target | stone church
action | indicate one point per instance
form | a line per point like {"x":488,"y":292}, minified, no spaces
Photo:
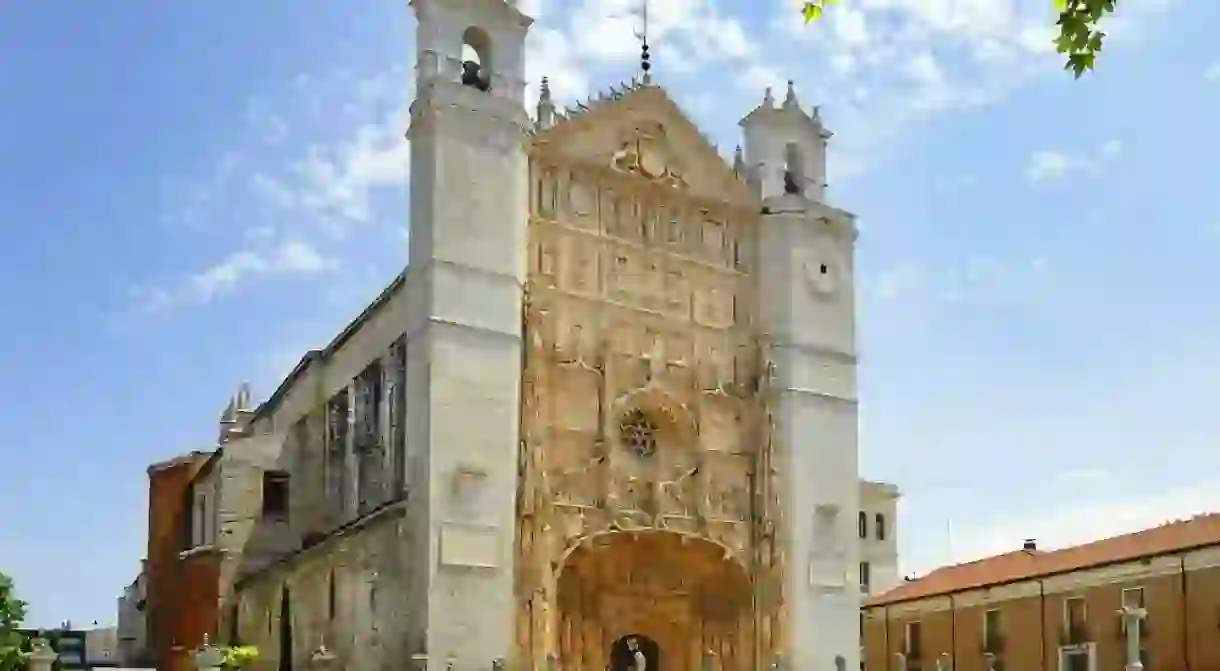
{"x":606,"y":416}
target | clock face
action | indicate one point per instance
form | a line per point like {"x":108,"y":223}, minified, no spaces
{"x":824,"y":272}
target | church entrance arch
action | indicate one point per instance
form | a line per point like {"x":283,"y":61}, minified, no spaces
{"x":681,"y":598}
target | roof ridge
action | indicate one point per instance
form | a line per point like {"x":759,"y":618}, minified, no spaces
{"x":618,"y":93}
{"x":1166,"y":538}
{"x":600,"y":99}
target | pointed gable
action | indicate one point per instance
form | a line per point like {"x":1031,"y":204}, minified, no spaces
{"x":641,"y":130}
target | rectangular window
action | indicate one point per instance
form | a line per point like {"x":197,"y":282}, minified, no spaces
{"x":1076,"y":661}
{"x":864,"y":576}
{"x":1074,"y":618}
{"x":338,"y":422}
{"x":863,"y":524}
{"x":991,"y":631}
{"x":208,"y":514}
{"x":879,"y":523}
{"x":330,"y":596}
{"x":198,"y":511}
{"x":397,"y":394}
{"x":1074,"y":612}
{"x":275,"y":494}
{"x":234,"y":625}
{"x":367,"y":441}
{"x":914,"y":642}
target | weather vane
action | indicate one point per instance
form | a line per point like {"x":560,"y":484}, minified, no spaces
{"x":642,"y":36}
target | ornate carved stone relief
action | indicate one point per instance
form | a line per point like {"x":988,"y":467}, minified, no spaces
{"x":646,"y":152}
{"x":637,"y":414}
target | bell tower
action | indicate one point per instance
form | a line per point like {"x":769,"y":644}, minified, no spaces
{"x":807,"y":317}
{"x":469,"y":212}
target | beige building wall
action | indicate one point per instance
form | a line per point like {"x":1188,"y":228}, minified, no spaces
{"x":877,"y":528}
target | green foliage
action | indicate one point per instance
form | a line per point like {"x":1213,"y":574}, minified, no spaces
{"x":239,"y":656}
{"x":12,"y":612}
{"x":812,"y":11}
{"x":1079,"y":39}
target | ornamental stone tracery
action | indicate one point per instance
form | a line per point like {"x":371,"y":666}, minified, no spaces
{"x":642,"y":405}
{"x":639,"y":434}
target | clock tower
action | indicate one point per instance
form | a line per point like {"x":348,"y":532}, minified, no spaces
{"x":807,"y":319}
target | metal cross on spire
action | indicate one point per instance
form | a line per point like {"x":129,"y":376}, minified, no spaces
{"x":642,"y":36}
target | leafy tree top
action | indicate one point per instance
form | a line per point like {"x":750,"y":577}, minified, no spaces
{"x":1079,"y":39}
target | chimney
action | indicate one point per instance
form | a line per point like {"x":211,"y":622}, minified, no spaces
{"x":1030,"y":545}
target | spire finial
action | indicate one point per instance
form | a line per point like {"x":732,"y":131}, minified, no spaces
{"x":642,"y":36}
{"x":790,"y":98}
{"x":546,"y":108}
{"x":768,"y":99}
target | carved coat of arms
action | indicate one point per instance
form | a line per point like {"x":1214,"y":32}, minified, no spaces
{"x":646,"y":152}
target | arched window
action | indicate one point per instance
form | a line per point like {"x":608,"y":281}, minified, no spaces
{"x":863,"y":524}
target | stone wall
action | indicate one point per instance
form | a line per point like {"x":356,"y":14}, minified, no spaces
{"x":347,"y":593}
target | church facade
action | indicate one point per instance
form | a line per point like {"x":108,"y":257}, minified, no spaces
{"x":608,"y":412}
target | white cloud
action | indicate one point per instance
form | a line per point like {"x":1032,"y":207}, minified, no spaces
{"x":1046,"y":165}
{"x":1084,"y":520}
{"x":980,"y":279}
{"x":286,"y":259}
{"x":896,"y":282}
{"x":1049,"y":165}
{"x":550,"y":54}
{"x":889,"y":64}
{"x":337,"y":183}
{"x":290,"y":258}
{"x":326,"y":186}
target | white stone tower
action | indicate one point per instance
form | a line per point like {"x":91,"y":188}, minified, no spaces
{"x":469,"y":210}
{"x":807,"y":311}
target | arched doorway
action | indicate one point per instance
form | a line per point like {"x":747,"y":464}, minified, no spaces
{"x":679,"y":596}
{"x":622,"y":654}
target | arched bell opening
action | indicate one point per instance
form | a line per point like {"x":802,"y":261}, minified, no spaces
{"x":794,"y":169}
{"x":685,"y":594}
{"x":477,"y":63}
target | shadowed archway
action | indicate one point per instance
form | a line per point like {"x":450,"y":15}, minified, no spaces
{"x":622,"y":657}
{"x":677,"y":595}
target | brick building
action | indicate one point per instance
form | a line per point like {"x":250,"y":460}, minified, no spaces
{"x":177,"y":583}
{"x":212,"y":516}
{"x":1059,"y":610}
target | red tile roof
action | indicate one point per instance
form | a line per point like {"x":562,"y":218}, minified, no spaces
{"x":1199,"y":531}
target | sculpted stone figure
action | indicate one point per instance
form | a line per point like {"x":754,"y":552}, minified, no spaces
{"x":640,"y":664}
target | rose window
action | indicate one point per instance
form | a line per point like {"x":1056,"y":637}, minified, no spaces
{"x":639,"y":434}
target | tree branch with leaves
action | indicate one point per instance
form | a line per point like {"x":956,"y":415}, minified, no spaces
{"x":12,"y":642}
{"x":1079,"y":40}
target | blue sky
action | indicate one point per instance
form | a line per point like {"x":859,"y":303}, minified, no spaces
{"x":193,"y":193}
